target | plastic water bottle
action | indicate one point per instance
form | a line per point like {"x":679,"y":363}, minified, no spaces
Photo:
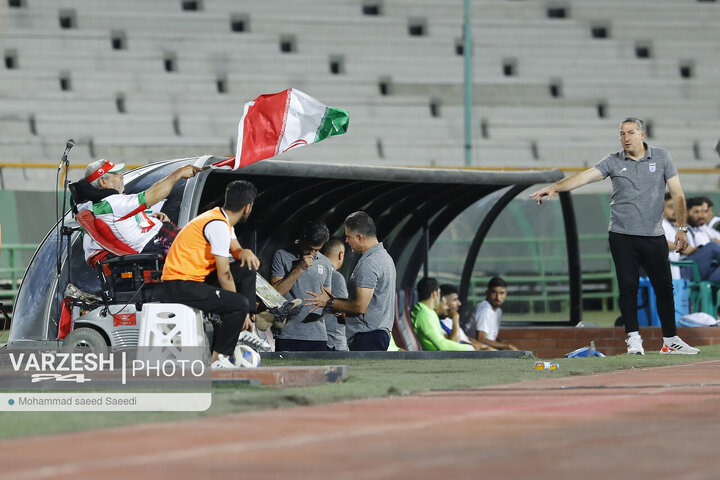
{"x":546,"y":366}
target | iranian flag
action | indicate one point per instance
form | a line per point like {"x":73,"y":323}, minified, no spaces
{"x":275,"y":123}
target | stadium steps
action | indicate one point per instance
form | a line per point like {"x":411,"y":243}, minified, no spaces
{"x":516,"y":122}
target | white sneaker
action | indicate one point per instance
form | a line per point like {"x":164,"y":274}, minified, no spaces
{"x":222,"y":362}
{"x":634,"y":345}
{"x":253,"y":341}
{"x":677,"y":347}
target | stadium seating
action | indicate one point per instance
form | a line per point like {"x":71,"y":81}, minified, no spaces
{"x":141,"y":81}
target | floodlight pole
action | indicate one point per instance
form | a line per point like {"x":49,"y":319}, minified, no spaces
{"x":467,"y":57}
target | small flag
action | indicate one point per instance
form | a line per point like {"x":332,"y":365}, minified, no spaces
{"x":65,"y":325}
{"x":275,"y":123}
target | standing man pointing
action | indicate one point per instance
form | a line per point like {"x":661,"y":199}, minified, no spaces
{"x":639,"y":174}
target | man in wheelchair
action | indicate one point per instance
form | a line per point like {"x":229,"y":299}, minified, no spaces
{"x":135,"y":219}
{"x":121,"y":243}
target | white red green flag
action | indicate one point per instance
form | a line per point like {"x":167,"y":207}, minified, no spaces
{"x":275,"y":123}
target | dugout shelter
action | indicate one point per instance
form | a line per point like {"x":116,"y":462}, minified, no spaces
{"x":411,"y":208}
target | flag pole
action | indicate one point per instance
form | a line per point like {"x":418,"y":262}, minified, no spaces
{"x":468,"y":80}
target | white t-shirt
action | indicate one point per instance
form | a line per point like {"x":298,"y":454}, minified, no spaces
{"x":219,"y":236}
{"x":670,"y":230}
{"x":485,"y":319}
{"x":448,"y":324}
{"x":702,"y":235}
{"x":128,"y":217}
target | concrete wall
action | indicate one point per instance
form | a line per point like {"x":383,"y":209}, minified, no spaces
{"x":556,"y":342}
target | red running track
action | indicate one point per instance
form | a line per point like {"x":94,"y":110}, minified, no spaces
{"x":644,"y":423}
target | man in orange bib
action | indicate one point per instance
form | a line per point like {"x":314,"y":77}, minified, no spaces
{"x":202,"y":249}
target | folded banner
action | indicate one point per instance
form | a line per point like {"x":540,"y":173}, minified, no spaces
{"x":275,"y":123}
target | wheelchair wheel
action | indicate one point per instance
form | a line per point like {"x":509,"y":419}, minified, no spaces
{"x":84,"y":340}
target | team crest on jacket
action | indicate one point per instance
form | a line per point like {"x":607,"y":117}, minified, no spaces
{"x":321,"y":269}
{"x":653,"y":167}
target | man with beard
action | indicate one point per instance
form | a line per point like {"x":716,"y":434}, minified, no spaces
{"x":449,"y":313}
{"x":711,"y":220}
{"x":485,"y":320}
{"x":703,"y":242}
{"x":200,"y":256}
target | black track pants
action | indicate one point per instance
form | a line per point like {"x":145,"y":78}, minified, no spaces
{"x":232,"y":307}
{"x":630,"y":252}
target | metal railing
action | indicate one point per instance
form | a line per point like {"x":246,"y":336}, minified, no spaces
{"x":543,"y":282}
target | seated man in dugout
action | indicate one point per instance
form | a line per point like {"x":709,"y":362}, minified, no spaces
{"x":669,"y":228}
{"x":198,"y":271}
{"x":485,"y":319}
{"x":449,"y":313}
{"x":426,"y":322}
{"x":711,"y":220}
{"x":703,"y":242}
{"x":135,"y":218}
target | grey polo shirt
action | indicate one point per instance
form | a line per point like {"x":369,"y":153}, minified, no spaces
{"x":638,"y":190}
{"x":304,"y":325}
{"x":375,"y":270}
{"x":335,"y":330}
